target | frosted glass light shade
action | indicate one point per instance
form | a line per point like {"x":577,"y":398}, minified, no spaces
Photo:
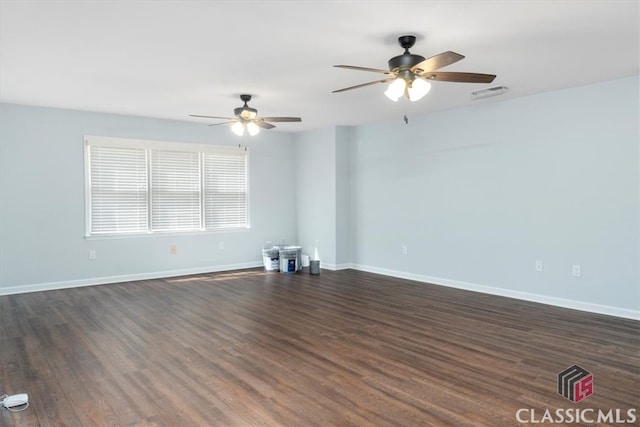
{"x":253,"y":128}
{"x":238,"y":128}
{"x":396,"y":89}
{"x":418,"y":88}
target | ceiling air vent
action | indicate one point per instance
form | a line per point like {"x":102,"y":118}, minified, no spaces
{"x":489,"y":92}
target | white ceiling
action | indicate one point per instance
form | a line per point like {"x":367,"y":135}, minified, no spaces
{"x":169,"y":59}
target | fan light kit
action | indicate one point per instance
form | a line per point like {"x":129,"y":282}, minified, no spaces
{"x":239,"y":127}
{"x":409,"y":73}
{"x":414,"y":89}
{"x":246,"y":119}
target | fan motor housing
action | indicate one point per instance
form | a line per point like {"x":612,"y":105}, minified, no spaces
{"x":404,"y":61}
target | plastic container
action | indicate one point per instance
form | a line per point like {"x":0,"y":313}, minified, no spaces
{"x":271,"y":259}
{"x":314,"y":266}
{"x":271,"y":256}
{"x":290,"y":259}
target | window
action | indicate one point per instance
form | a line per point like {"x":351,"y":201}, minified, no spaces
{"x":119,"y":191}
{"x":225,"y":183}
{"x":137,"y":186}
{"x":175,"y":191}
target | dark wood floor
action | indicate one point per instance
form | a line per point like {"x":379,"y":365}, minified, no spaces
{"x":343,"y":348}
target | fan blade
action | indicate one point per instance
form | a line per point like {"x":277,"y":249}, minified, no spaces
{"x":264,"y":125}
{"x":222,"y":123}
{"x":450,"y":76}
{"x":281,"y":119}
{"x":438,"y":61}
{"x":211,"y":117}
{"x":363,"y":85}
{"x":373,"y":70}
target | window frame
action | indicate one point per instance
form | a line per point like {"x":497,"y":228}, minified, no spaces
{"x":149,"y":146}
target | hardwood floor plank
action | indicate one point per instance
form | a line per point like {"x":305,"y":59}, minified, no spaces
{"x":345,"y":348}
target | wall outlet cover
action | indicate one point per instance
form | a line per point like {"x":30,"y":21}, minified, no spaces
{"x":576,"y":270}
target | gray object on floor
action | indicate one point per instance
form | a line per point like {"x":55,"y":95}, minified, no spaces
{"x":314,"y":266}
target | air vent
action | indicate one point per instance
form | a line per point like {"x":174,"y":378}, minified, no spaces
{"x":489,"y":92}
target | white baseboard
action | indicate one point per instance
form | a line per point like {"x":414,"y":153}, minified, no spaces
{"x":525,"y":296}
{"x":50,"y":286}
{"x":335,"y":267}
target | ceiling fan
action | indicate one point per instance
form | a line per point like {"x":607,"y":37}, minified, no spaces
{"x":409,"y":73}
{"x":247,"y":118}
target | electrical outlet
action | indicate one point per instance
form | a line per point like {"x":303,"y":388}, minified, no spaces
{"x":220,"y":245}
{"x":174,"y":249}
{"x":405,"y":250}
{"x":538,"y":265}
{"x":92,"y":254}
{"x":576,"y":270}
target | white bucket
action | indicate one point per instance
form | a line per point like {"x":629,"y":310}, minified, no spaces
{"x":271,"y":259}
{"x":290,"y":259}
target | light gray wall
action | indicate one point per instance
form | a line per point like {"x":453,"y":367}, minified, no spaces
{"x":323,"y":192}
{"x":42,"y":216}
{"x":315,"y":176}
{"x":343,"y":195}
{"x":476,"y":194}
{"x":479,"y":194}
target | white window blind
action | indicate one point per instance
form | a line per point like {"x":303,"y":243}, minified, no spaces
{"x":137,"y":186}
{"x":225,"y":190}
{"x":175,"y":190}
{"x":118,"y":190}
